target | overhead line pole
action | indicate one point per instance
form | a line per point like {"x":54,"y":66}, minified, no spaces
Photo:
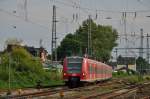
{"x":141,"y":44}
{"x":54,"y":36}
{"x":125,"y":32}
{"x":148,"y":48}
{"x":89,"y":36}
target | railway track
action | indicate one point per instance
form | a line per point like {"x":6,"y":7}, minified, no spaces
{"x":48,"y":92}
{"x":122,"y":92}
{"x":58,"y":90}
{"x":40,"y":93}
{"x":147,"y":97}
{"x":61,"y":91}
{"x":110,"y":94}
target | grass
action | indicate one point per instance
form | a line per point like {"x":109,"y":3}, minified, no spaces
{"x":131,"y":78}
{"x":29,"y":80}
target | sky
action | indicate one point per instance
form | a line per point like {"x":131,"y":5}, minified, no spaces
{"x":34,"y":21}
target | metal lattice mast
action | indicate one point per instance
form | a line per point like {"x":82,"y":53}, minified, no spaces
{"x":89,"y":36}
{"x":125,"y":32}
{"x":54,"y":36}
{"x":148,"y":48}
{"x":141,"y":44}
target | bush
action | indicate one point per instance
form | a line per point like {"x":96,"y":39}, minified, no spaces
{"x":4,"y":75}
{"x":134,"y":79}
{"x":119,"y":74}
{"x":25,"y":69}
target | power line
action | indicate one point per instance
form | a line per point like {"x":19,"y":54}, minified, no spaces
{"x":141,"y":2}
{"x":27,"y":21}
{"x":99,"y":10}
{"x":22,"y":8}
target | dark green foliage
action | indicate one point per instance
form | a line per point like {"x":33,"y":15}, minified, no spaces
{"x":22,"y":61}
{"x":142,"y":66}
{"x":126,"y":60}
{"x":25,"y":70}
{"x":119,"y":74}
{"x":132,"y":79}
{"x":69,"y":46}
{"x":103,"y":40}
{"x":4,"y":67}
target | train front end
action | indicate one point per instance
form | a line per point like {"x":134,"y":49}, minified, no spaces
{"x":72,"y":70}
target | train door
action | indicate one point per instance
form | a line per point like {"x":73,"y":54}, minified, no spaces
{"x":94,"y":71}
{"x":104,"y":71}
{"x":101,"y":72}
{"x":90,"y":71}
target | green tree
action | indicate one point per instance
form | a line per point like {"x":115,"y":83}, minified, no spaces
{"x":103,"y":40}
{"x":69,"y":46}
{"x":22,"y":64}
{"x":142,"y":65}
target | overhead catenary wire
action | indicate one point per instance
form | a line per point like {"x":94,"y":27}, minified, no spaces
{"x":76,"y":6}
{"x":27,"y":21}
{"x":100,"y":10}
{"x":132,"y":12}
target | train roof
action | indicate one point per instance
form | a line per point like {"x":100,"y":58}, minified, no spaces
{"x":75,"y":57}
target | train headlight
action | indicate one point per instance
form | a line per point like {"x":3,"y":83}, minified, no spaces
{"x":65,"y":74}
{"x":83,"y":74}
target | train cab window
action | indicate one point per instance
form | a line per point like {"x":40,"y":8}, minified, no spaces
{"x":74,"y":65}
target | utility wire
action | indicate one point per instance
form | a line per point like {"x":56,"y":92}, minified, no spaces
{"x":27,"y":21}
{"x":98,"y":10}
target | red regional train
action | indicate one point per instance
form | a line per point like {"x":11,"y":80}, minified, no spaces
{"x":77,"y":70}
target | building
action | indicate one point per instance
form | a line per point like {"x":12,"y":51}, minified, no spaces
{"x":126,"y":63}
{"x":113,"y":64}
{"x":36,"y":52}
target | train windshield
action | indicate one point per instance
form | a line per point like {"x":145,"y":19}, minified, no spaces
{"x":74,"y":65}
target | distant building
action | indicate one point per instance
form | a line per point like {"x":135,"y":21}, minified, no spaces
{"x":11,"y":46}
{"x":113,"y":64}
{"x":126,"y":63}
{"x":55,"y":66}
{"x":58,"y":66}
{"x":36,"y":52}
